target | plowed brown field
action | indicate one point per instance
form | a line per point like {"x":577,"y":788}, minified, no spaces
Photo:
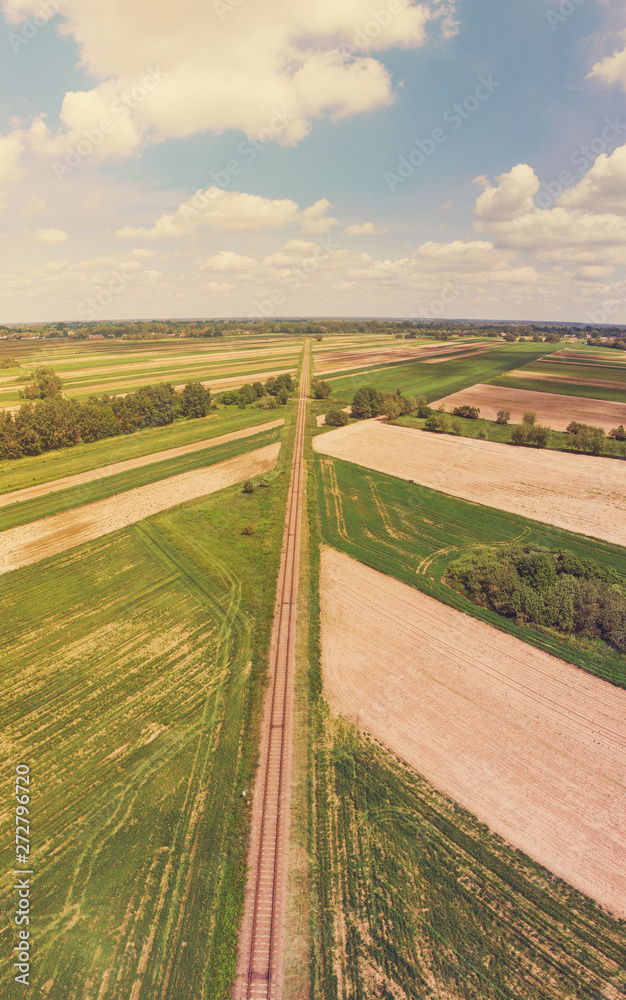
{"x":577,"y":492}
{"x":31,"y":542}
{"x":535,"y":748}
{"x":551,"y":408}
{"x":43,"y":489}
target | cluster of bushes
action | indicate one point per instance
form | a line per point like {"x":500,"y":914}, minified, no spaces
{"x":469,"y":412}
{"x":9,"y":362}
{"x":553,"y":589}
{"x":336,"y":418}
{"x":585,"y":437}
{"x":370,"y":402}
{"x":54,"y":422}
{"x":530,"y":432}
{"x":319,"y":389}
{"x":269,"y":394}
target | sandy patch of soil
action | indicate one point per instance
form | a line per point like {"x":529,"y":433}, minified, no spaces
{"x":580,"y":493}
{"x":31,"y":542}
{"x":534,"y":747}
{"x":596,"y":382}
{"x":43,"y":489}
{"x":552,"y":409}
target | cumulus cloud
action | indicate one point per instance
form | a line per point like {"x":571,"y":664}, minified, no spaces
{"x":612,"y":69}
{"x":603,"y":188}
{"x":52,"y":236}
{"x":233,"y":211}
{"x":513,"y":195}
{"x":221,"y":66}
{"x":226,"y":260}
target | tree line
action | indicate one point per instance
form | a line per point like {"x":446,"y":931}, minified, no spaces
{"x":51,"y":421}
{"x":553,"y":589}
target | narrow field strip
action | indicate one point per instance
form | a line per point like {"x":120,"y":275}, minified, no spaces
{"x":580,"y":493}
{"x":551,"y":408}
{"x":43,"y":489}
{"x":32,"y":542}
{"x":533,"y":747}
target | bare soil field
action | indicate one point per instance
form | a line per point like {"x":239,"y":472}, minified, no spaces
{"x":461,"y":355}
{"x":580,"y":493}
{"x":31,"y":492}
{"x":552,"y":409}
{"x":532,"y":746}
{"x":341,"y":360}
{"x":595,"y":382}
{"x":31,"y":542}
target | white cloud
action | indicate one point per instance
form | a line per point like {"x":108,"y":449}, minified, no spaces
{"x":226,"y":260}
{"x":603,"y":188}
{"x":222,"y":66}
{"x":612,"y":69}
{"x":233,"y":211}
{"x":514,"y":195}
{"x":366,"y":229}
{"x":52,"y":236}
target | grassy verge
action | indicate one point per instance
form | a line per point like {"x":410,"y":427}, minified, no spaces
{"x":412,"y":533}
{"x":134,"y":669}
{"x":100,"y":489}
{"x":36,"y":469}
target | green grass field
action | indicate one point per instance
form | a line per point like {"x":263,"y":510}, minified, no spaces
{"x":417,"y":899}
{"x":412,"y":533}
{"x":100,"y":489}
{"x":36,"y":469}
{"x":415,"y":378}
{"x":133,"y":669}
{"x":572,"y":388}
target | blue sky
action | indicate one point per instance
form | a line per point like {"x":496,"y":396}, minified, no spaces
{"x":346,"y":158}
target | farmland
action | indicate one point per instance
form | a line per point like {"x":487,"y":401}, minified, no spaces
{"x":543,"y":485}
{"x":130,"y":682}
{"x":413,"y":533}
{"x":497,"y":725}
{"x":552,"y":409}
{"x":418,"y":899}
{"x":55,"y":465}
{"x":119,"y":367}
{"x":416,"y":378}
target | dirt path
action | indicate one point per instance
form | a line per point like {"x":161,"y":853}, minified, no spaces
{"x":577,"y":492}
{"x":551,"y":408}
{"x":53,"y":486}
{"x":31,"y":542}
{"x":534,"y":747}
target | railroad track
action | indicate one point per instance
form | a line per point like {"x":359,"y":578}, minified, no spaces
{"x":260,"y":968}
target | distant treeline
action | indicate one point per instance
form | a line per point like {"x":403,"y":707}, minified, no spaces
{"x":619,"y":342}
{"x":554,"y":589}
{"x":53,"y":422}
